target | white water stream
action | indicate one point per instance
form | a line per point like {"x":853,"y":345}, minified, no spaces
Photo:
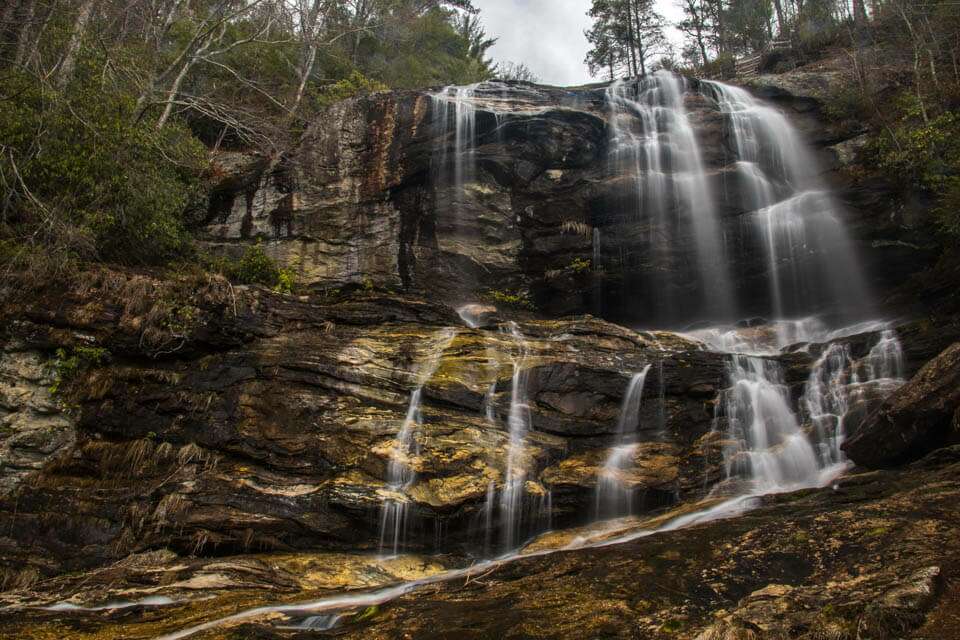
{"x":614,"y":496}
{"x":400,"y":473}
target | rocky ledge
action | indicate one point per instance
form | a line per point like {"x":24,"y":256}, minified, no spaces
{"x":874,"y":556}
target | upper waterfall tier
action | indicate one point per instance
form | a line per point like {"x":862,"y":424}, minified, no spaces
{"x":660,"y":201}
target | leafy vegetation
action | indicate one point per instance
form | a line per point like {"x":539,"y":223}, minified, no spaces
{"x":69,"y":363}
{"x":580,"y":265}
{"x":519,"y":299}
{"x":255,"y":267}
{"x":107,"y":110}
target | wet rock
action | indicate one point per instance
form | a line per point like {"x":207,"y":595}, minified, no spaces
{"x":914,"y":420}
{"x":34,"y":425}
{"x":363,"y":199}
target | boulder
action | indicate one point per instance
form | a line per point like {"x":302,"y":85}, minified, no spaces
{"x":919,"y":417}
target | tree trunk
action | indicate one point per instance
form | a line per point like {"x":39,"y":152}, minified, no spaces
{"x":781,"y":23}
{"x":69,"y":60}
{"x":174,"y":90}
{"x":640,"y":47}
{"x":632,"y":45}
{"x":24,"y":39}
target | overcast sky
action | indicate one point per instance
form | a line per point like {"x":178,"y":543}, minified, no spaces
{"x":546,"y":35}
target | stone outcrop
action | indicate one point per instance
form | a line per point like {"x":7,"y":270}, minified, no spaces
{"x":875,"y":554}
{"x":223,"y":419}
{"x":919,"y":417}
{"x":367,"y":197}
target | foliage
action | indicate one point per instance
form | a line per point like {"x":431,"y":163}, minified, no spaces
{"x":350,"y":86}
{"x":69,"y":363}
{"x":79,"y":166}
{"x":254,"y":267}
{"x":925,"y":153}
{"x":106,"y":107}
{"x":625,"y":37}
{"x":517,"y":299}
{"x":580,"y":265}
{"x":846,"y":104}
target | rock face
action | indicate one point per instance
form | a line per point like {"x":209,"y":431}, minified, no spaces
{"x":188,"y":438}
{"x":517,"y":196}
{"x":919,"y":417}
{"x":876,"y":554}
{"x":222,"y":419}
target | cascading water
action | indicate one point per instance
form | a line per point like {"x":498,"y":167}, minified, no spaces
{"x":652,"y":141}
{"x":778,"y":446}
{"x":459,"y":101}
{"x":837,"y":382}
{"x":771,"y":449}
{"x":614,"y":497}
{"x":518,"y":422}
{"x":795,"y":220}
{"x":400,"y":473}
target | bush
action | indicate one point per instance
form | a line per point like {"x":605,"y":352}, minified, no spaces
{"x":924,"y":153}
{"x":511,"y":298}
{"x":254,"y":267}
{"x":82,"y":163}
{"x":68,"y":364}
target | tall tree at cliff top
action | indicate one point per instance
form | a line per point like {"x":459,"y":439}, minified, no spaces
{"x":105,"y":102}
{"x":625,"y":36}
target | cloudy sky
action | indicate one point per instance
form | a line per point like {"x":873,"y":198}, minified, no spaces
{"x":547,"y":35}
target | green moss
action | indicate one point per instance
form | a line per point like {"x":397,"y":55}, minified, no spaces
{"x":367,"y":614}
{"x":673,"y":625}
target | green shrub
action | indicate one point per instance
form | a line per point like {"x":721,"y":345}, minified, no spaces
{"x":511,"y":298}
{"x":254,"y":267}
{"x":580,"y":265}
{"x":925,"y":153}
{"x":81,"y":162}
{"x":69,"y":363}
{"x":847,"y":104}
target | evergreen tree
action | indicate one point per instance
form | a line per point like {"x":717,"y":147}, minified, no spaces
{"x":625,"y":37}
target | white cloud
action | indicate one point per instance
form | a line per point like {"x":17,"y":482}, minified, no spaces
{"x":546,"y":35}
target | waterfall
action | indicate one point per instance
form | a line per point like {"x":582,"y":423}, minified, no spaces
{"x":794,"y":219}
{"x":459,"y":100}
{"x":614,"y":497}
{"x":518,"y":422}
{"x":771,"y":448}
{"x":455,"y":113}
{"x":652,"y":141}
{"x":837,"y":382}
{"x":400,"y":473}
{"x":885,"y":360}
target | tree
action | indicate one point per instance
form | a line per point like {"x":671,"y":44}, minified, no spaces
{"x":107,"y":103}
{"x":517,"y":71}
{"x":697,"y":26}
{"x":626,"y":35}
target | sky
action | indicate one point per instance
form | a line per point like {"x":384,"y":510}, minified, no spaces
{"x":547,"y":35}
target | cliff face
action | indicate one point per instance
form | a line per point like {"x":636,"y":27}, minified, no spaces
{"x":218,"y":445}
{"x":511,"y":187}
